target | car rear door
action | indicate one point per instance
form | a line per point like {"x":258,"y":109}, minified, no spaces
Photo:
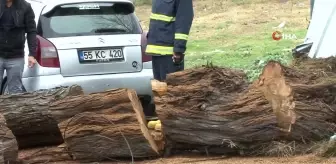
{"x":94,"y":37}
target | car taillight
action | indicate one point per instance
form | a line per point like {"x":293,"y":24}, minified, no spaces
{"x":145,"y":58}
{"x":46,"y":53}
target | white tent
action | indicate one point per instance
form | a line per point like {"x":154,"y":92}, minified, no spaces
{"x":321,"y":31}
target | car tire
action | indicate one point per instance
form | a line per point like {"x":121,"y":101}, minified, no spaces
{"x":148,"y":106}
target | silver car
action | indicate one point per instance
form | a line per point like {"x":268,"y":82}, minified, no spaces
{"x":97,"y":44}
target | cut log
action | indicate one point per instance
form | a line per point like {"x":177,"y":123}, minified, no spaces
{"x":28,"y":117}
{"x":8,"y":144}
{"x":159,"y":87}
{"x":218,"y":111}
{"x":93,"y":127}
{"x":45,"y":155}
{"x":104,"y":126}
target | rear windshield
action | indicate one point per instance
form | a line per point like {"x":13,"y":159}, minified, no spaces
{"x":82,"y":19}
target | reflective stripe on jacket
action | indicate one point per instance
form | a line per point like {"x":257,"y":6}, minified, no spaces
{"x":169,"y":26}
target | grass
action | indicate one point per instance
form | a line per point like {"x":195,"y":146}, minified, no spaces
{"x":237,"y":33}
{"x":142,"y":2}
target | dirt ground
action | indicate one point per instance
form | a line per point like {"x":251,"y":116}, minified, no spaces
{"x":196,"y":159}
{"x":238,"y":160}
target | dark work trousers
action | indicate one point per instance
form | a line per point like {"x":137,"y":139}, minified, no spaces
{"x":163,"y":65}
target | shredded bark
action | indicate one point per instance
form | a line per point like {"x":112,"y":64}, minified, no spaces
{"x":95,"y":127}
{"x":216,"y":109}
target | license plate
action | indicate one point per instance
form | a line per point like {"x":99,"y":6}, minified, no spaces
{"x":105,"y":55}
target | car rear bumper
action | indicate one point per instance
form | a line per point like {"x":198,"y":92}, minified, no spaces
{"x":140,"y":81}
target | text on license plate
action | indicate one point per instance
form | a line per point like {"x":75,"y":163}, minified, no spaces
{"x":111,"y":54}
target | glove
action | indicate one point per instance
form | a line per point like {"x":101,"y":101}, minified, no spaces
{"x":178,"y":58}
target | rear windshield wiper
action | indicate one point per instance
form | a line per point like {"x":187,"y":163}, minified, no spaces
{"x":103,"y":30}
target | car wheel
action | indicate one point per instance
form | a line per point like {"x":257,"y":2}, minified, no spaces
{"x":148,"y":106}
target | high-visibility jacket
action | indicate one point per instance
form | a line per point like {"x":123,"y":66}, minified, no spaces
{"x":169,"y":26}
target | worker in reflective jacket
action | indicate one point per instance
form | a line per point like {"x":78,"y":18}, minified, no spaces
{"x":169,"y":27}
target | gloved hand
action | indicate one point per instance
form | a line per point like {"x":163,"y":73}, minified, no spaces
{"x":178,"y":58}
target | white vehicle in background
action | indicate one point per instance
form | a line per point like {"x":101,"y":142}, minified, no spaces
{"x":97,"y":44}
{"x":319,"y":40}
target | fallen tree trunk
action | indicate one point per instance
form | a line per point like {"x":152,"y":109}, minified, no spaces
{"x":45,"y":155}
{"x":97,"y":127}
{"x":8,"y":144}
{"x":28,"y":117}
{"x":218,"y":111}
{"x":104,"y":125}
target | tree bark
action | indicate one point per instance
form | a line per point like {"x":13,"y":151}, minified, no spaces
{"x":45,"y":155}
{"x":28,"y":117}
{"x":8,"y":144}
{"x":93,"y":127}
{"x":104,"y":126}
{"x":217,"y":111}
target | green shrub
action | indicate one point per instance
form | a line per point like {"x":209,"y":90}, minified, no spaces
{"x":255,"y":70}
